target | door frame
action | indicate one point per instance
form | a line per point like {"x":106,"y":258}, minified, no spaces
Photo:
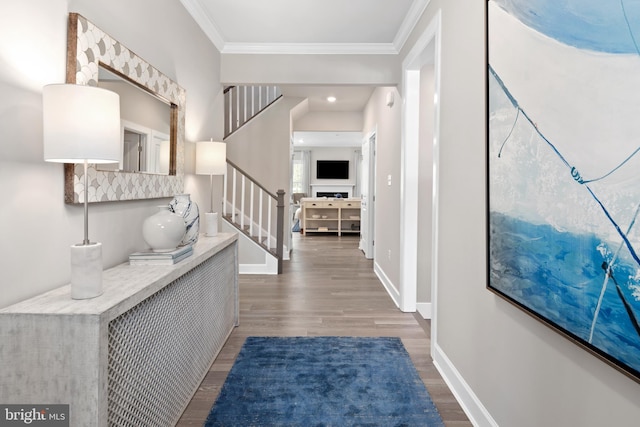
{"x":369,"y":250}
{"x":425,"y":51}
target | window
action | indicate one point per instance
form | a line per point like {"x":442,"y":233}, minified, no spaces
{"x":298,"y":175}
{"x":300,"y":170}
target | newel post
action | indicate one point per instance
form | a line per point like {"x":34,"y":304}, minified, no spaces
{"x":280,"y":229}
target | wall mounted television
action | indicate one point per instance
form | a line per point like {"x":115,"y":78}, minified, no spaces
{"x":332,"y":169}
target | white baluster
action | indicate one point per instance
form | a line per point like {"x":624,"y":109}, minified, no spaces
{"x":253,"y":101}
{"x":225,"y":191}
{"x":260,"y":215}
{"x":242,"y":193}
{"x":251,"y":209}
{"x":244,"y":105}
{"x":237,"y":109}
{"x":269,"y":224}
{"x":233,"y":196}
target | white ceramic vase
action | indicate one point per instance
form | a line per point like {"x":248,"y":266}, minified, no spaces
{"x":164,"y":230}
{"x":188,"y":209}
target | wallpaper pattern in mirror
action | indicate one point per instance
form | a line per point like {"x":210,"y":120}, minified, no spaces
{"x":88,"y":48}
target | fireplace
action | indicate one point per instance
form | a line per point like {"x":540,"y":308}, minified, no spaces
{"x":343,"y":194}
{"x":330,"y":190}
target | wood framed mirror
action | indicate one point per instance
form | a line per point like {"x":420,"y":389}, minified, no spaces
{"x":90,"y":50}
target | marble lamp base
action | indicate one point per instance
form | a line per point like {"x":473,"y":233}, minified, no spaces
{"x":86,"y":271}
{"x":211,"y":224}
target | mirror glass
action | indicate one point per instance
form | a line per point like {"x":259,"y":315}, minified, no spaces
{"x":145,"y":127}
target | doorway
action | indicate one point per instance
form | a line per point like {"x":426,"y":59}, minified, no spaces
{"x":368,"y":196}
{"x":420,"y":138}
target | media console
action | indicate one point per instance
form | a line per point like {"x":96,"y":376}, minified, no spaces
{"x":329,"y":215}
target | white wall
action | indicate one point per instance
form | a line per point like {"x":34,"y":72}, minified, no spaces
{"x":377,"y":70}
{"x":386,"y":122}
{"x":37,"y":227}
{"x":333,"y":153}
{"x":524,"y":373}
{"x":262,"y":149}
{"x":329,"y":121}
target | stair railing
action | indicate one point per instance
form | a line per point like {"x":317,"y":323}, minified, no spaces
{"x":242,"y":103}
{"x":254,"y":210}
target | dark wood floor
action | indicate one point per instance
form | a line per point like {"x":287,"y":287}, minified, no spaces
{"x":328,"y":288}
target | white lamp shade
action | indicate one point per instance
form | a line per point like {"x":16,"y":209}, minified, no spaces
{"x":211,"y":158}
{"x":81,"y":123}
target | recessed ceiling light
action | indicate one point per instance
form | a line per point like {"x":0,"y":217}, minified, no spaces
{"x":331,"y":98}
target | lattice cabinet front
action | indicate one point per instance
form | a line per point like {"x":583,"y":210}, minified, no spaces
{"x":161,"y":348}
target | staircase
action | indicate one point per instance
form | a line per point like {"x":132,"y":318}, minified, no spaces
{"x":248,"y":206}
{"x":242,"y":103}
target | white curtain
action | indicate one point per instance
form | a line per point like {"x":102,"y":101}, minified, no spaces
{"x":302,"y":172}
{"x":357,"y":163}
{"x":306,"y":162}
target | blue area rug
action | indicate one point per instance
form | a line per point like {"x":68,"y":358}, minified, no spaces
{"x":323,"y":381}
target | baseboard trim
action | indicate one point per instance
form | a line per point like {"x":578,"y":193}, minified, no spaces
{"x":388,"y":285}
{"x":266,"y":268}
{"x":471,"y":405}
{"x":424,"y":309}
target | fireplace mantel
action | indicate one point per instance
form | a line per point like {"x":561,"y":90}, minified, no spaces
{"x":332,"y":188}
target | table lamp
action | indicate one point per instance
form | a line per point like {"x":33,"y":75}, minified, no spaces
{"x":211,"y":159}
{"x":81,"y":124}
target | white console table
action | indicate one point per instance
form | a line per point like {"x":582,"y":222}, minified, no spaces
{"x":134,"y":355}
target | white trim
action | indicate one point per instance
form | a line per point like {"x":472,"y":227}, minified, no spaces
{"x":208,"y":26}
{"x":310,"y":48}
{"x":471,"y":405}
{"x":269,"y":267}
{"x":410,"y":142}
{"x":424,"y":309}
{"x":388,"y":285}
{"x":205,"y":21}
{"x":435,"y":218}
{"x":369,"y":233}
{"x":420,"y":54}
{"x":409,"y":23}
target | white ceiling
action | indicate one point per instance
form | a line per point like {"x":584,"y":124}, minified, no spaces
{"x":348,"y":98}
{"x":310,"y":26}
{"x":304,"y":26}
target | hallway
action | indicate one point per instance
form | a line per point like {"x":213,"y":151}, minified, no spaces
{"x":327,"y":288}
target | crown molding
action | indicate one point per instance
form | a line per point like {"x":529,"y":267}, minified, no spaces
{"x":207,"y":24}
{"x":310,"y":48}
{"x":205,"y":21}
{"x":410,"y":21}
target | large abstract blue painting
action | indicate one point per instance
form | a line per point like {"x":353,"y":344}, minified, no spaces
{"x":563,"y":152}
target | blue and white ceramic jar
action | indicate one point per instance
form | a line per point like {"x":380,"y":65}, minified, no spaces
{"x":188,"y":209}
